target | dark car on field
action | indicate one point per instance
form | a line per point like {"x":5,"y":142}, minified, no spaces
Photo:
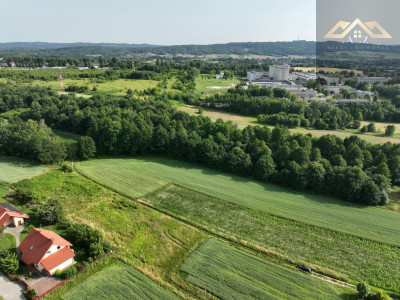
{"x":304,"y":268}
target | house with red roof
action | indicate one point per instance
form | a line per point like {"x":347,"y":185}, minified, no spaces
{"x":10,"y":215}
{"x":13,"y":64}
{"x":46,"y":251}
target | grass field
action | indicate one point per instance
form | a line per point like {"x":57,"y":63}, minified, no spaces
{"x":152,"y":242}
{"x":366,"y":222}
{"x":243,"y":121}
{"x":231,"y":274}
{"x":66,"y":137}
{"x":118,"y":281}
{"x":358,"y":259}
{"x":7,"y":242}
{"x":12,"y":169}
{"x":213,"y":86}
{"x":119,"y":86}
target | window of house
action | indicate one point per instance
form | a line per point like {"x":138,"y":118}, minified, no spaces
{"x":58,"y":247}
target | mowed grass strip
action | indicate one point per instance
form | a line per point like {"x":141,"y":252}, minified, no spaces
{"x":12,"y":169}
{"x":366,"y":222}
{"x":360,"y":260}
{"x":118,"y":281}
{"x":121,"y":177}
{"x":232,"y":274}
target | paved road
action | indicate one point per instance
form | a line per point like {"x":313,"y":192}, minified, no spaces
{"x":16,"y":232}
{"x":10,"y":290}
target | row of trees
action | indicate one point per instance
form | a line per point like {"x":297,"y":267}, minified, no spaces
{"x":350,"y":169}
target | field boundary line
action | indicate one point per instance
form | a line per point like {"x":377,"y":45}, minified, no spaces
{"x":238,"y":243}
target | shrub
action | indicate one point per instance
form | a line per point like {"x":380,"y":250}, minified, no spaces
{"x":9,"y":263}
{"x":70,"y":272}
{"x":58,"y":273}
{"x":66,"y":168}
{"x":32,"y":292}
{"x":86,"y":147}
{"x":363,"y":290}
{"x":390,"y":129}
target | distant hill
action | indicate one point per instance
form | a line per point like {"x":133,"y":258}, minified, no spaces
{"x":303,"y":48}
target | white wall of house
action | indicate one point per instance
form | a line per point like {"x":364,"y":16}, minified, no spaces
{"x":53,"y":249}
{"x":63,"y":266}
{"x":17,"y":220}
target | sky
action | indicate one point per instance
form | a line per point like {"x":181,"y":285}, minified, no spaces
{"x":158,"y":22}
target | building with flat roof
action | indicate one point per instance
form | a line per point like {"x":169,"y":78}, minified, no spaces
{"x":279,"y":72}
{"x":373,"y":80}
{"x":303,"y":77}
{"x":256,"y":74}
{"x":330,"y":80}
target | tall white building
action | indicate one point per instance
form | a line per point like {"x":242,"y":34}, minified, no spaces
{"x":279,"y":72}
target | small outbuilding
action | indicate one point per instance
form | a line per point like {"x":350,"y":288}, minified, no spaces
{"x":10,"y":215}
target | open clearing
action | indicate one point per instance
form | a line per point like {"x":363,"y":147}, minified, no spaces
{"x":366,"y":222}
{"x":12,"y":169}
{"x":232,"y":274}
{"x":212,"y":86}
{"x":244,"y":121}
{"x":118,"y":281}
{"x":356,"y":258}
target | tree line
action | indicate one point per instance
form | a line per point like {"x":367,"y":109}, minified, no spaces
{"x":349,"y":169}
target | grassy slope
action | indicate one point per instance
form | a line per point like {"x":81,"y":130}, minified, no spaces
{"x":367,"y":222}
{"x":150,"y":241}
{"x":213,"y":86}
{"x":12,"y":169}
{"x":359,"y":259}
{"x":243,"y":121}
{"x":118,"y":281}
{"x":231,"y":274}
{"x":7,"y":242}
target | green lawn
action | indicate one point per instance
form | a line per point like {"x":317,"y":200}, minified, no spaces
{"x":366,"y":222}
{"x":7,"y":242}
{"x":358,"y":259}
{"x":118,"y":86}
{"x":232,"y":274}
{"x":118,"y":281}
{"x":213,"y":86}
{"x":12,"y":169}
{"x":66,"y":137}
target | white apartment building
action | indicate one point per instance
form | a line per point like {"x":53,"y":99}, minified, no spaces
{"x":279,"y":72}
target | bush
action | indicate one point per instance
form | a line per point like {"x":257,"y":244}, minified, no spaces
{"x":23,"y":196}
{"x":363,"y":290}
{"x":9,"y":263}
{"x":32,"y":293}
{"x":390,"y":129}
{"x":66,"y":168}
{"x":58,"y":273}
{"x":70,"y":272}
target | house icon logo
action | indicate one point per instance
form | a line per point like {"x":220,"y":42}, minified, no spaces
{"x":357,"y":31}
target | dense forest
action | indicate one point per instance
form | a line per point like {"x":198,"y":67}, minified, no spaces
{"x":350,"y":169}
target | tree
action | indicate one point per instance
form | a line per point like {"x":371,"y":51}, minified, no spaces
{"x":383,"y":169}
{"x":9,"y":262}
{"x":390,"y":129}
{"x":363,"y":290}
{"x":86,"y":147}
{"x":354,"y":155}
{"x":371,"y":127}
{"x":394,"y":166}
{"x":315,"y":176}
{"x":264,"y":167}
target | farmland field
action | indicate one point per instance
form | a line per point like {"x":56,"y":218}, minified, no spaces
{"x":12,"y":169}
{"x":243,"y":121}
{"x":358,"y":259}
{"x":366,"y":222}
{"x":118,"y":281}
{"x":231,"y":274}
{"x":152,"y":242}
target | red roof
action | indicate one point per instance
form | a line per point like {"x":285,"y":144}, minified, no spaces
{"x":37,"y":243}
{"x":6,"y":215}
{"x":56,"y":259}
